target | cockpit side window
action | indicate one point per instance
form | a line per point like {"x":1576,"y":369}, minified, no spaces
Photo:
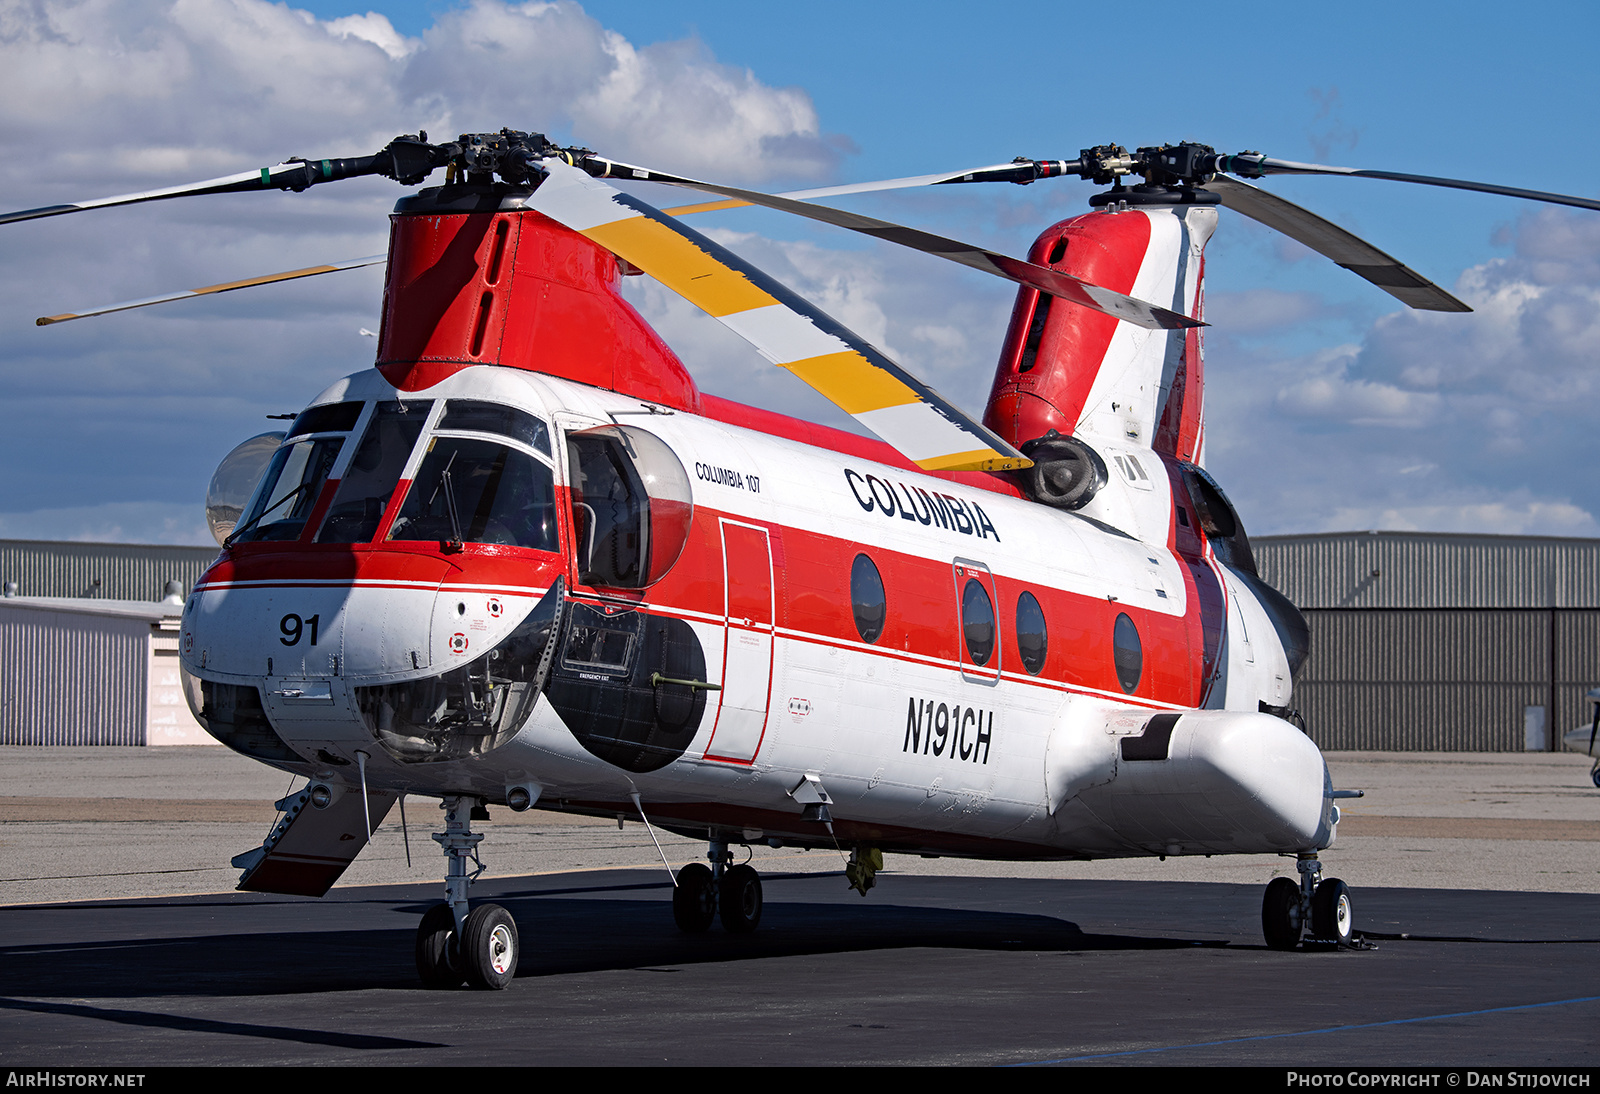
{"x":478,"y":491}
{"x":632,"y":506}
{"x":612,"y":515}
{"x":374,"y":471}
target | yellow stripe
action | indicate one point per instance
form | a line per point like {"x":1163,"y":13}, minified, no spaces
{"x":705,"y":207}
{"x":851,"y":382}
{"x":680,"y":265}
{"x":46,"y":320}
{"x":982,"y":459}
{"x":266,"y":279}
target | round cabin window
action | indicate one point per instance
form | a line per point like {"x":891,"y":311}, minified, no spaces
{"x":1032,"y":641}
{"x":1128,"y":653}
{"x":866,"y":598}
{"x":977,"y":621}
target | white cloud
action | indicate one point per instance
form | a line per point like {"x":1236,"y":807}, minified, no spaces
{"x":110,"y":418}
{"x":375,"y":28}
{"x":1498,"y":406}
{"x":112,"y":522}
{"x":1518,"y":514}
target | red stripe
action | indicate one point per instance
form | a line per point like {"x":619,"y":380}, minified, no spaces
{"x":812,"y":589}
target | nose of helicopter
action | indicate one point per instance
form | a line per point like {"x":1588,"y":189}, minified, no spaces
{"x":310,"y":633}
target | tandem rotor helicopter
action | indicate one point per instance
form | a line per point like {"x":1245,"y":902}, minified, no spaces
{"x":523,"y":561}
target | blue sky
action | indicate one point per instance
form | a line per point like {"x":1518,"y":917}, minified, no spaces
{"x":1329,"y":410}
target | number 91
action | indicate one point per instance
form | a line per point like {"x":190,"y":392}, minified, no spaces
{"x":293,"y":627}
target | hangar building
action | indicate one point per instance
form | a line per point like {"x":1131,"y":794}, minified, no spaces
{"x":1441,"y":642}
{"x":1419,"y":641}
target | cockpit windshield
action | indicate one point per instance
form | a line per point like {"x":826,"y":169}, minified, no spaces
{"x":470,"y":488}
{"x":374,"y":471}
{"x":477,"y":491}
{"x":291,"y":485}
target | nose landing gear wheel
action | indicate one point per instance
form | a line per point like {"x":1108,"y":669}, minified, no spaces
{"x":1332,"y":919}
{"x":741,"y":900}
{"x":1281,"y":921}
{"x":438,"y":956}
{"x":489,"y":947}
{"x":694,"y":900}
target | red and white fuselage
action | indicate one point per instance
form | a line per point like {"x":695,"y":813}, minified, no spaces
{"x":1010,"y":680}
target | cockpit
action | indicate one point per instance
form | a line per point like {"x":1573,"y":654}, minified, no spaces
{"x":451,"y":471}
{"x":438,"y":671}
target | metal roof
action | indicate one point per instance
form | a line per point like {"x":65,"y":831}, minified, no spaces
{"x":110,"y":571}
{"x":1431,"y":570}
{"x":151,"y":611}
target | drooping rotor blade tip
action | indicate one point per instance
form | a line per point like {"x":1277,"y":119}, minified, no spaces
{"x":1328,"y":239}
{"x":208,"y":290}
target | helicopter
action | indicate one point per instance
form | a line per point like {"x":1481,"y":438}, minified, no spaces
{"x":524,"y":561}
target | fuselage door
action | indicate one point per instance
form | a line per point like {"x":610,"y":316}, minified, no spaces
{"x":748,"y":640}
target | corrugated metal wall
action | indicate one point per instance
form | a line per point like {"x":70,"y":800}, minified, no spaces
{"x":71,"y":678}
{"x":1440,"y":642}
{"x":123,"y":571}
{"x":1444,"y":679}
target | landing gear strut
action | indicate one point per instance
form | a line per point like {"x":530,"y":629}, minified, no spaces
{"x":702,"y":892}
{"x":1323,"y":905}
{"x":453,"y":944}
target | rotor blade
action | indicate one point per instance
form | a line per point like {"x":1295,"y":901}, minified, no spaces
{"x":1022,"y":173}
{"x":1353,"y":253}
{"x":1253,"y":166}
{"x":785,"y":328}
{"x":226,"y":286}
{"x":1054,"y":282}
{"x":405,"y":159}
{"x":267,"y":178}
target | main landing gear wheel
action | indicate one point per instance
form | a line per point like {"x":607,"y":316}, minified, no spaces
{"x":694,"y":900}
{"x":1281,"y":920}
{"x":438,"y":956}
{"x":1332,"y":919}
{"x":741,"y":899}
{"x":489,"y":947}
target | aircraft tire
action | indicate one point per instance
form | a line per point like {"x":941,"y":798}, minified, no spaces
{"x":694,"y":899}
{"x":490,"y":947}
{"x":438,"y":957}
{"x":741,"y":900}
{"x":1594,"y":776}
{"x":1332,"y":918}
{"x":1280,"y":914}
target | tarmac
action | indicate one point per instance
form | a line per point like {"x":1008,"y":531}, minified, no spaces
{"x":1475,"y":879}
{"x":115,"y":823}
